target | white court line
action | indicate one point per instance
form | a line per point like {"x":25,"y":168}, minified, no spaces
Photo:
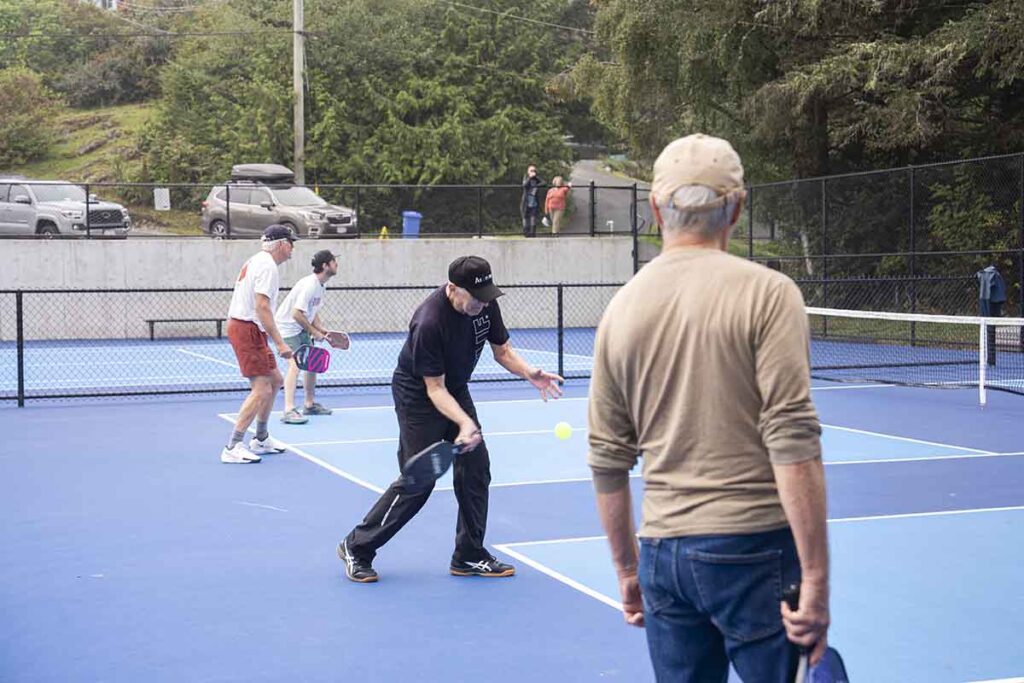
{"x":855,"y":386}
{"x":393,"y":439}
{"x":507,"y":549}
{"x":835,"y":520}
{"x":1002,"y":680}
{"x":259,"y":505}
{"x":209,"y":358}
{"x":544,"y":569}
{"x":905,"y":438}
{"x":538,"y":482}
{"x":925,"y":458}
{"x":316,"y":461}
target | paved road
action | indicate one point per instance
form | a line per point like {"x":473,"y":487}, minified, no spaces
{"x":613,"y":195}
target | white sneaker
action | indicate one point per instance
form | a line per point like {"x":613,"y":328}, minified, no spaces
{"x":269,"y":446}
{"x":238,"y":455}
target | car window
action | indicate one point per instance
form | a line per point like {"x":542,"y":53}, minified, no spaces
{"x":298,"y":196}
{"x":238,"y":195}
{"x":63,"y":192}
{"x":260,"y":197}
{"x":4,"y":187}
{"x":17,"y":190}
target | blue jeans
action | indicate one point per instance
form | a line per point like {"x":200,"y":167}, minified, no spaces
{"x":711,"y":600}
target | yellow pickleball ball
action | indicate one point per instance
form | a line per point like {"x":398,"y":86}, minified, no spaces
{"x":563,"y":430}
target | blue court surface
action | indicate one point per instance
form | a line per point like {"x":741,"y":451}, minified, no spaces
{"x":130,"y":553}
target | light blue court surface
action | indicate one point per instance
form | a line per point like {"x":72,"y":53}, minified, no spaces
{"x":132,"y":554}
{"x":362,"y":442}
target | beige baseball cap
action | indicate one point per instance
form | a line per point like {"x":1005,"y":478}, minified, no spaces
{"x":696,"y":160}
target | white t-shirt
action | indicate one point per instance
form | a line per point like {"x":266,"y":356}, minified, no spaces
{"x":308,"y":296}
{"x":258,"y":276}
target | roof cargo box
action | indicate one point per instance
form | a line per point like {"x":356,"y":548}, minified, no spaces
{"x":264,"y":173}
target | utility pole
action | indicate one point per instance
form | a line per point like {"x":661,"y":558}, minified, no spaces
{"x":298,"y":110}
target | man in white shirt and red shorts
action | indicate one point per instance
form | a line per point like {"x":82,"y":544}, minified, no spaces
{"x":250,"y":322}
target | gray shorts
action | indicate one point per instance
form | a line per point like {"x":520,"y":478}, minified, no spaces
{"x":298,"y":340}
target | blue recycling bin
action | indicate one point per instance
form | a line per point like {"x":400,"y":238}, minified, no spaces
{"x":411,"y":223}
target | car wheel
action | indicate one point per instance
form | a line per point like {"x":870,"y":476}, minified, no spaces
{"x":291,"y":226}
{"x":218,"y":230}
{"x":47,"y":230}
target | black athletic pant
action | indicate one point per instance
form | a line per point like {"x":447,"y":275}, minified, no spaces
{"x":530,"y":215}
{"x":419,"y":425}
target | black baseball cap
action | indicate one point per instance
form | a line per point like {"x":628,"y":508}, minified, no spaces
{"x":278,"y":232}
{"x":322,"y":258}
{"x":473,"y":274}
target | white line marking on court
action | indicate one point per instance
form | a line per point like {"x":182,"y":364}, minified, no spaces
{"x":936,"y":513}
{"x":510,"y":484}
{"x":544,"y":569}
{"x":1002,"y":680}
{"x":855,"y":386}
{"x":866,"y":518}
{"x":259,"y":505}
{"x":905,"y":438}
{"x":395,"y":438}
{"x":209,"y":358}
{"x":923,"y":458}
{"x":315,"y":460}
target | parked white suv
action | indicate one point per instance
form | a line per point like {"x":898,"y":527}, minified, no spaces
{"x":48,"y":208}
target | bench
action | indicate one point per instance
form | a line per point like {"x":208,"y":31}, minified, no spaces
{"x":153,"y":321}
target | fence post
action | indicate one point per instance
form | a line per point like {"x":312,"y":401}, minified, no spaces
{"x":913,"y":254}
{"x":227,"y":208}
{"x":88,"y":223}
{"x":593,"y":208}
{"x":750,"y":223}
{"x":824,"y":252}
{"x":19,"y":316}
{"x":479,"y":210}
{"x":634,"y":225}
{"x":1020,"y":250}
{"x":561,"y":332}
{"x":359,"y":217}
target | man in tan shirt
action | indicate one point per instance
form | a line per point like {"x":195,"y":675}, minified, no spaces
{"x":701,"y":367}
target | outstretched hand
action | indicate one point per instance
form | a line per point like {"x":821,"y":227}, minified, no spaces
{"x":548,"y":383}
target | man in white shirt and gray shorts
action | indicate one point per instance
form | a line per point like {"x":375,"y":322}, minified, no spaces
{"x":298,"y":319}
{"x":250,"y":322}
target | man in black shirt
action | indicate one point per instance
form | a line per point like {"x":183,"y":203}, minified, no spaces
{"x":432,"y":402}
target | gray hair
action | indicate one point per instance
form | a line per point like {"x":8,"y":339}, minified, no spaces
{"x":698,"y":209}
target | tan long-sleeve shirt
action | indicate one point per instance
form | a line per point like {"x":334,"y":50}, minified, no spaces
{"x":701,"y":366}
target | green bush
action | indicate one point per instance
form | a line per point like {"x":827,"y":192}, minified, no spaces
{"x":27,"y":117}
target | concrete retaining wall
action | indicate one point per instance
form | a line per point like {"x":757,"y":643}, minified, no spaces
{"x":185,"y":263}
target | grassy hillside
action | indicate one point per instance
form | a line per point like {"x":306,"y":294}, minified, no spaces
{"x":101,"y":146}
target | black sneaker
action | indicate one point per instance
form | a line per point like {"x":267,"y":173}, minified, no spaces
{"x":356,"y":570}
{"x":491,"y":566}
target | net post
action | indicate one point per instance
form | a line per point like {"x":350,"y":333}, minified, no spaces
{"x":19,"y":315}
{"x":982,"y":364}
{"x":561,"y":330}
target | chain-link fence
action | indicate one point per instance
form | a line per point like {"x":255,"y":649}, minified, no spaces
{"x":904,"y":240}
{"x":121,"y":342}
{"x":242,"y":210}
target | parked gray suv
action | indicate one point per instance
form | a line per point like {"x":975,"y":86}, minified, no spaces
{"x":259,"y":195}
{"x":49,"y":208}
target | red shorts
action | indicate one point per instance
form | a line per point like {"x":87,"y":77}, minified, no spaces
{"x":255,"y":358}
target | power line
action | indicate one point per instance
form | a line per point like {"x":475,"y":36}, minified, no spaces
{"x":519,"y":17}
{"x":151,"y":34}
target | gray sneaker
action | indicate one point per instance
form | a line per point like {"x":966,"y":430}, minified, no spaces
{"x":294,"y":417}
{"x":316,"y":409}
